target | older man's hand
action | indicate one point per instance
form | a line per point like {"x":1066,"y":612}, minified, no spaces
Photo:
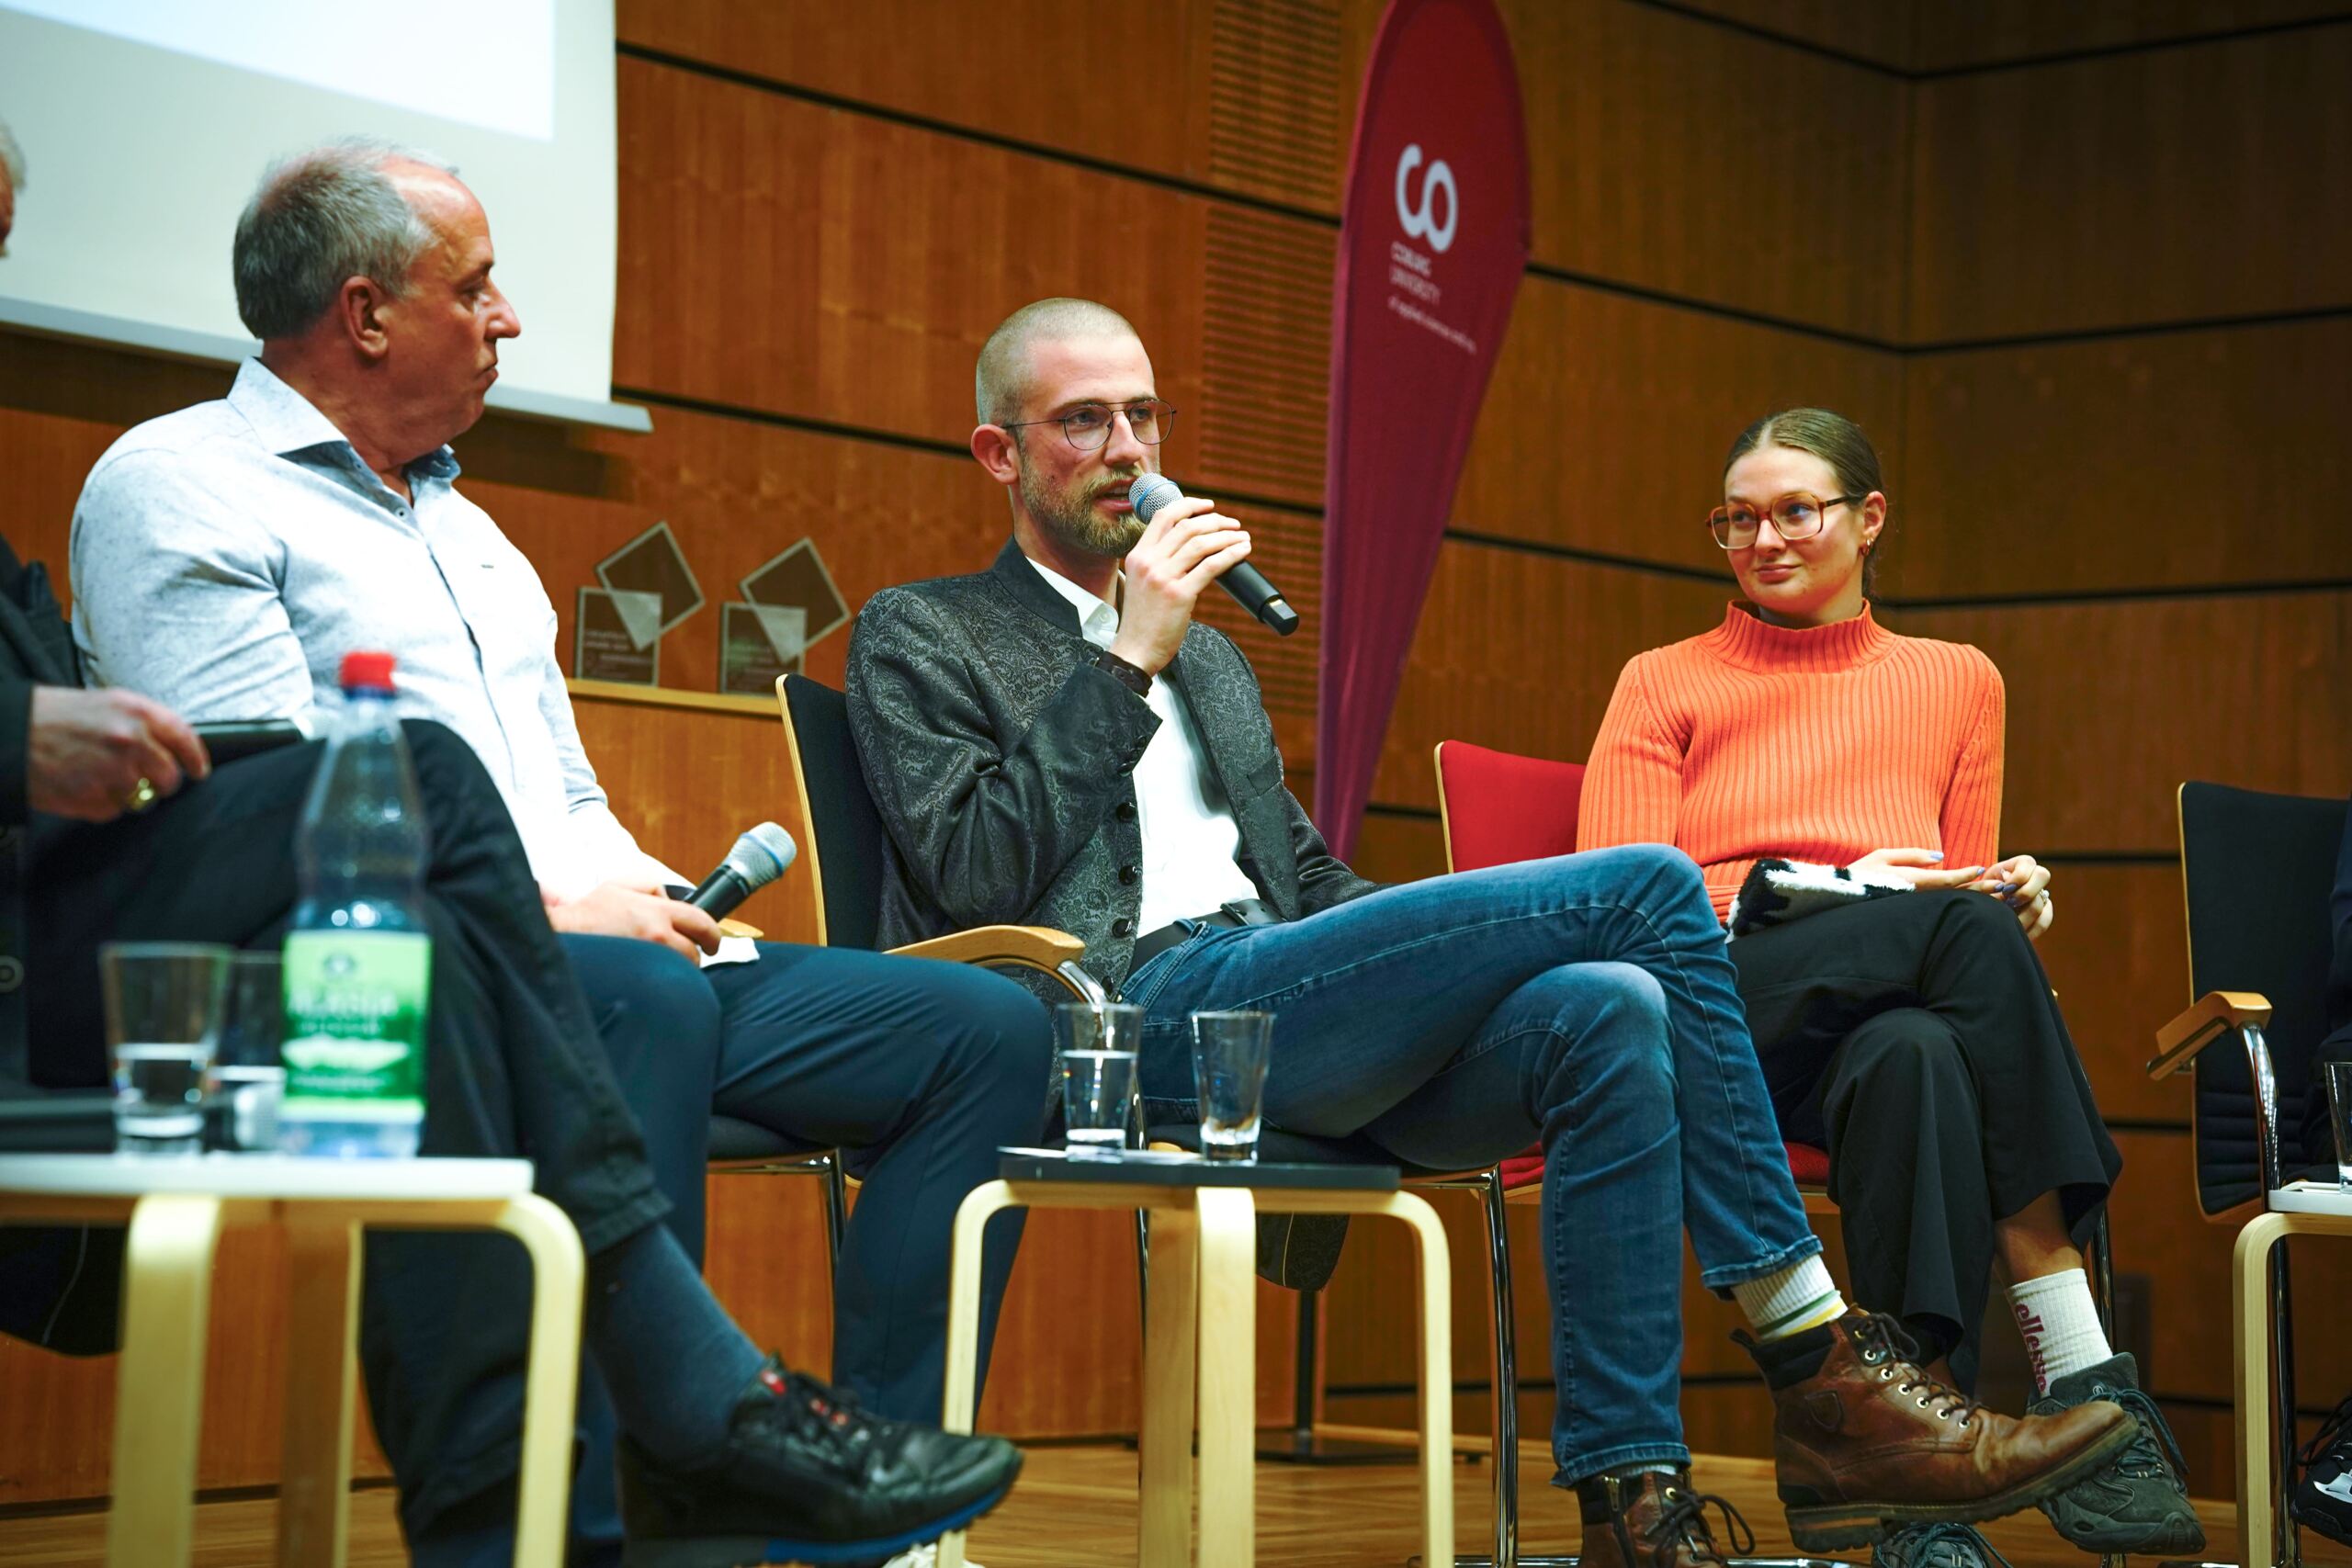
{"x":642,"y":913}
{"x":95,"y":755}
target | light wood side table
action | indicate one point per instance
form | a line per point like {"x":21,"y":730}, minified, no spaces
{"x":175,"y":1211}
{"x":1201,"y":1328}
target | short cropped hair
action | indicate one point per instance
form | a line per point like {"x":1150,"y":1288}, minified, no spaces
{"x":1001,"y":380}
{"x":12,"y":157}
{"x":320,"y":216}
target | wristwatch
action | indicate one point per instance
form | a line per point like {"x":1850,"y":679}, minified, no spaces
{"x":1134,"y":677}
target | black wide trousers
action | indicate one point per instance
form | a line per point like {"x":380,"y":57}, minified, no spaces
{"x":1915,"y":1039}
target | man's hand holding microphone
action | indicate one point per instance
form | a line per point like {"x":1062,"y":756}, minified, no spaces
{"x":1186,"y":546}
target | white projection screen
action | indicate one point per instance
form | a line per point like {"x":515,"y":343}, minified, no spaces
{"x":146,"y":123}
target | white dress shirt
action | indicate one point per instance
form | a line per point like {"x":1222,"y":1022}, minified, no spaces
{"x":225,"y":558}
{"x":1192,"y":845}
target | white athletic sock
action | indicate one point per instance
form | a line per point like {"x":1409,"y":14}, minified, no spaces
{"x":2060,"y":1323}
{"x":1794,"y":1299}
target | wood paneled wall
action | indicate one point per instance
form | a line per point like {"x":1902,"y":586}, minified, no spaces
{"x":2074,"y":268}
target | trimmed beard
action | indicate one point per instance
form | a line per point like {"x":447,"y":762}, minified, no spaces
{"x":1068,"y":515}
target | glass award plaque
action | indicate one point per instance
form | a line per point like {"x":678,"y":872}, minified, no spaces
{"x":606,"y":643}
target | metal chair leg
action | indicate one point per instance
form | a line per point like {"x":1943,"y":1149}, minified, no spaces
{"x":836,"y":1183}
{"x":2102,"y":1262}
{"x":2288,"y":1549}
{"x":1304,"y":1444}
{"x":1143,"y":1265}
{"x":1309,"y":1346}
{"x":1505,"y":1373}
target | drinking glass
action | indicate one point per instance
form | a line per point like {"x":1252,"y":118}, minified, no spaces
{"x":248,"y":1074}
{"x":163,"y":1008}
{"x":2339,"y":1117}
{"x":1096,"y":1052}
{"x":1229,"y":1053}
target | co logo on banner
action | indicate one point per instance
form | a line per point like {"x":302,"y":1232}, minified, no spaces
{"x":1420,"y":222}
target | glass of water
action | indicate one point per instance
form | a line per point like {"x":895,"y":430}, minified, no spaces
{"x":1097,"y":1052}
{"x":248,"y":1074}
{"x":162,"y":1006}
{"x":2339,"y":1117}
{"x":1229,"y":1051}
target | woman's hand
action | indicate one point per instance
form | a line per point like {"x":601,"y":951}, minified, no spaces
{"x":2023,"y":884}
{"x":1920,"y":868}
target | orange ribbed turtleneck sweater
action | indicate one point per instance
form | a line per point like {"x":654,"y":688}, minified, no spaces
{"x":1819,"y":743}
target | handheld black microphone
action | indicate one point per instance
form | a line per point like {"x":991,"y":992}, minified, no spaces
{"x":758,"y":858}
{"x":1244,"y":581}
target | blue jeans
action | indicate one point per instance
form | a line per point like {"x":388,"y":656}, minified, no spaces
{"x":1584,"y":1001}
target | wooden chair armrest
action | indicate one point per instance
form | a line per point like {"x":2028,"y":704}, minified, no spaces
{"x":732,"y":927}
{"x":2215,"y":1014}
{"x":1036,"y":947}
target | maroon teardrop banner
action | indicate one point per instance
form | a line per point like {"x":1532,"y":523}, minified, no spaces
{"x":1433,"y":239}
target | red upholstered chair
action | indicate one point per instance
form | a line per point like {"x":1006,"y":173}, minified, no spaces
{"x":1498,"y":806}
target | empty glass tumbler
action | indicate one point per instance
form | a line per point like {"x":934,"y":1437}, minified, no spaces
{"x":248,"y":1073}
{"x":1229,"y":1051}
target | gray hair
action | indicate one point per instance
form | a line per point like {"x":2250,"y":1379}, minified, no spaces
{"x":12,"y":157}
{"x":1001,"y":380}
{"x":319,"y":218}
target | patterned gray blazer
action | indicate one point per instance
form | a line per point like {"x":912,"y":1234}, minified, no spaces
{"x":1001,"y":759}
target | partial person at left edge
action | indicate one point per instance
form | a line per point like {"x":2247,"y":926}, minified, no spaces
{"x":65,"y":753}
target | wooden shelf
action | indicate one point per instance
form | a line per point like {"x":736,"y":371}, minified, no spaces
{"x":670,"y":697}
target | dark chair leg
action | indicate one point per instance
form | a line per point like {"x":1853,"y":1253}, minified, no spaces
{"x":1303,"y":1444}
{"x":1303,"y":1380}
{"x":836,"y":1213}
{"x":2102,"y":1262}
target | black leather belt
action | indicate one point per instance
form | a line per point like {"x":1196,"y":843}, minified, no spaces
{"x":1231,"y":917}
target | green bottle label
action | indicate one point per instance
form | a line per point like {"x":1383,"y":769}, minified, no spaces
{"x":355,"y":1024}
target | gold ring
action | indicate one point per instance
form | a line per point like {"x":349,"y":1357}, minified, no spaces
{"x":142,"y":795}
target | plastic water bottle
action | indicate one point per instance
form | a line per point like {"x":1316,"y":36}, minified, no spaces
{"x":358,"y":961}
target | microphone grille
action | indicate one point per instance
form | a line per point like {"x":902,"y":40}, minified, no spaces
{"x":1151,"y":492}
{"x":762,"y":852}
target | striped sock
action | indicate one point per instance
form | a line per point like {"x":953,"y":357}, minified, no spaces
{"x":1790,"y":1300}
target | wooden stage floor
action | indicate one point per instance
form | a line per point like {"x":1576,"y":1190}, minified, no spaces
{"x":1077,"y":1507}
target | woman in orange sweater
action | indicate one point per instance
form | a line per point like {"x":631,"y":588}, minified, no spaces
{"x":1913,"y":1035}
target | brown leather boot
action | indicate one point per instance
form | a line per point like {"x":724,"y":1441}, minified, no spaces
{"x":1865,"y":1440}
{"x":1652,"y":1520}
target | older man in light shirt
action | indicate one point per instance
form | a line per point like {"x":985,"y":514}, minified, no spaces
{"x":226,"y":557}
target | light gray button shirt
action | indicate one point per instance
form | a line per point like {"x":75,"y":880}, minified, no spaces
{"x":225,"y":558}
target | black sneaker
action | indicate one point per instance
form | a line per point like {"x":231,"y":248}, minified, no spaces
{"x":2140,"y":1503}
{"x":806,"y":1477}
{"x":2323,"y":1498}
{"x":1935,"y":1546}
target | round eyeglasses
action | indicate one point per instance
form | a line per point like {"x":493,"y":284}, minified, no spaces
{"x":1798,"y":515}
{"x":1088,"y":425}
